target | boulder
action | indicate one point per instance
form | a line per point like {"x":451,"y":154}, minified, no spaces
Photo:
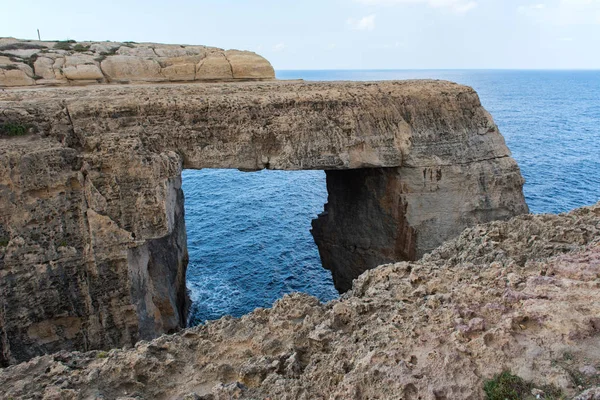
{"x":248,"y":65}
{"x":131,"y":69}
{"x":214,"y":67}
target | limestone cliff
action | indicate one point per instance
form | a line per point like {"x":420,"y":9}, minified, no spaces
{"x":520,"y":296}
{"x":39,"y":63}
{"x":92,"y":236}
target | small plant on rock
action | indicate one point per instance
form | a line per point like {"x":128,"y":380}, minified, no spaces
{"x":81,"y":48}
{"x":63,"y":45}
{"x":507,"y":386}
{"x":13,"y":129}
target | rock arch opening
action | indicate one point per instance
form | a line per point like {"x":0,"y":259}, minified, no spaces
{"x":249,"y":240}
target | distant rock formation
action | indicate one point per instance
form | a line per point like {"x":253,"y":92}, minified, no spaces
{"x":519,"y":296}
{"x":92,"y":233}
{"x":29,"y":63}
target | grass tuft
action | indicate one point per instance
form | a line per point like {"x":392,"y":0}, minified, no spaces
{"x":507,"y":386}
{"x":13,"y":129}
{"x":63,"y":45}
{"x":80,"y":48}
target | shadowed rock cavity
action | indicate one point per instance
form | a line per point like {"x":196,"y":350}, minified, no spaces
{"x":382,"y":215}
{"x":92,"y":233}
{"x":364,"y":224}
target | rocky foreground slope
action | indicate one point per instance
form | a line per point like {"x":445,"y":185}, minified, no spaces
{"x":43,"y":63}
{"x":521,"y":295}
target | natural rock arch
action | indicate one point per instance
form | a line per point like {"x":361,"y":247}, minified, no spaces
{"x":91,"y":212}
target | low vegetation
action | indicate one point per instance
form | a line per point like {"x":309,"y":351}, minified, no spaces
{"x":64,"y":45}
{"x":13,"y":129}
{"x":80,"y":48}
{"x":507,"y":386}
{"x":22,"y":46}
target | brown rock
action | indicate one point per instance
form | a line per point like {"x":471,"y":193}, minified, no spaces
{"x":248,"y":65}
{"x":130,"y":68}
{"x":92,"y":208}
{"x":109,"y":62}
{"x":391,"y":337}
{"x":214,"y":67}
{"x":82,"y":68}
{"x":14,"y":77}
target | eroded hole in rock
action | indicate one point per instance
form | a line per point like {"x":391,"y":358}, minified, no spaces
{"x":249,"y":239}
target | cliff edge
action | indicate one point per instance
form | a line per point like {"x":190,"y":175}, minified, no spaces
{"x":519,"y":296}
{"x":44,"y":63}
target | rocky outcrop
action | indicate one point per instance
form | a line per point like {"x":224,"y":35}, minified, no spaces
{"x":29,"y":63}
{"x":519,"y":296}
{"x":92,"y":235}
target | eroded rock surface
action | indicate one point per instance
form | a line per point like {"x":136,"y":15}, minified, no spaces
{"x":485,"y":302}
{"x":92,"y":236}
{"x":39,"y":63}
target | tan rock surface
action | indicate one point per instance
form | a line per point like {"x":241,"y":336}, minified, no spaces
{"x":91,"y":209}
{"x":434,"y":329}
{"x":215,"y":66}
{"x":110,"y":62}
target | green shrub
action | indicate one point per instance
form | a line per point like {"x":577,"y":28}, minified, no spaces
{"x":13,"y":129}
{"x":101,"y":354}
{"x":63,"y":45}
{"x":507,"y":386}
{"x":4,"y":242}
{"x":81,"y":48}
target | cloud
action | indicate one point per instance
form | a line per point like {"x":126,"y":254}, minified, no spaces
{"x":279,"y":47}
{"x":564,"y":12}
{"x":457,"y":6}
{"x":531,"y":7}
{"x":364,"y":24}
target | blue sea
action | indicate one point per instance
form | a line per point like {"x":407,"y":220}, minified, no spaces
{"x":249,"y":233}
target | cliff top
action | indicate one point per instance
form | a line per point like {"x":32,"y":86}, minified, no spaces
{"x":35,"y":63}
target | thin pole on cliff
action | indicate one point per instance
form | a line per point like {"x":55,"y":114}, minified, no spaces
{"x":39,"y":38}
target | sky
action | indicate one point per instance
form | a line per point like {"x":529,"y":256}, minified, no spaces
{"x":337,"y":34}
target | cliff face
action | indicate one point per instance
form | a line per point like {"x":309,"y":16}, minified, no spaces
{"x":43,"y":63}
{"x":92,"y":246}
{"x":520,"y":295}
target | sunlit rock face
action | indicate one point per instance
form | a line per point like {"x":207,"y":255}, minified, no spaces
{"x":92,"y":234}
{"x":45,"y":63}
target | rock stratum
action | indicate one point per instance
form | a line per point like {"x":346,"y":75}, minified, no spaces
{"x":519,"y":296}
{"x":43,"y":63}
{"x":93,"y":248}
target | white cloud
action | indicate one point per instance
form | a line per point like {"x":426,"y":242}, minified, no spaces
{"x":458,"y":6}
{"x":564,"y":12}
{"x":364,"y":24}
{"x":279,"y":47}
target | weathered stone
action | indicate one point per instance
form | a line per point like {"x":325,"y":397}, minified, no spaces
{"x":82,"y":67}
{"x":435,"y":329}
{"x":130,"y":68}
{"x":15,"y":77}
{"x":109,"y":62}
{"x":43,"y":67}
{"x":214,"y":67}
{"x":139,"y":51}
{"x":247,"y":65}
{"x":92,"y":200}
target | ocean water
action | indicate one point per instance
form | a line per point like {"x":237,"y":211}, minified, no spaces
{"x":248,"y":233}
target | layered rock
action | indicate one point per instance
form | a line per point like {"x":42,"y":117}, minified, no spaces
{"x":93,"y":251}
{"x":519,"y":296}
{"x":29,"y":63}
